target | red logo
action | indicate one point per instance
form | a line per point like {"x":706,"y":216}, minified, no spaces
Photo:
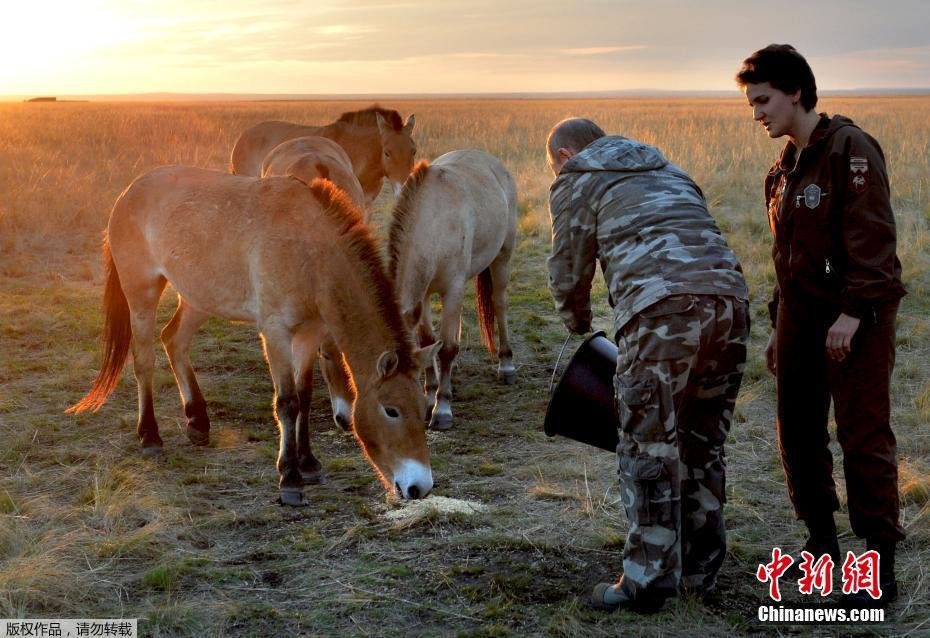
{"x":771,"y":572}
{"x":859,"y":573}
{"x":862,"y":574}
{"x":817,"y":575}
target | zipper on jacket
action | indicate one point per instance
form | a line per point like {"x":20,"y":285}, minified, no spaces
{"x":828,"y":267}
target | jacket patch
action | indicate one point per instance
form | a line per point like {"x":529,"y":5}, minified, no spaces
{"x":812,"y":195}
{"x":858,"y":174}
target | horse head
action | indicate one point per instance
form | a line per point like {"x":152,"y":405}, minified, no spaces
{"x":389,"y":416}
{"x":398,"y":150}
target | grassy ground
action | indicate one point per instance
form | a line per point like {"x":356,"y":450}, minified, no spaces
{"x":195,"y":545}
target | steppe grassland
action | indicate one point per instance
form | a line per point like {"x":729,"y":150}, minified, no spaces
{"x":89,"y":528}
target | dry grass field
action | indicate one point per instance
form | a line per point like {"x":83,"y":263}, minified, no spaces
{"x":195,"y":545}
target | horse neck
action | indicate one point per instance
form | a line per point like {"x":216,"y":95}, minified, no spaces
{"x":416,"y":263}
{"x":348,"y":304}
{"x":363,"y":146}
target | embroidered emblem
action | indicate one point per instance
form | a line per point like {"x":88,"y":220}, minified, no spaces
{"x":812,"y":196}
{"x":858,"y":174}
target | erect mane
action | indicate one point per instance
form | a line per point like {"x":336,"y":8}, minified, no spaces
{"x":348,"y":223}
{"x":403,"y":217}
{"x":369,"y":117}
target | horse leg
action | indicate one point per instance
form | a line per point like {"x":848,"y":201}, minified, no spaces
{"x":143,"y":302}
{"x":500,"y":277}
{"x":426,"y":337}
{"x":177,"y":337}
{"x":450,"y":329}
{"x":338,"y":381}
{"x":304,"y":348}
{"x":276,"y":341}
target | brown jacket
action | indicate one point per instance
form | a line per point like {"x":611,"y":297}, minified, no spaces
{"x":830,"y":214}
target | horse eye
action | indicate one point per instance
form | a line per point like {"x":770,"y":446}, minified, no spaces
{"x":391,"y":412}
{"x":387,"y":153}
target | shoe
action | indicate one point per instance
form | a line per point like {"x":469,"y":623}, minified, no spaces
{"x":886,"y":580}
{"x":821,"y":540}
{"x":613,"y":596}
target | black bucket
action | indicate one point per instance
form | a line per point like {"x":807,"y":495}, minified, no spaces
{"x":583,"y":407}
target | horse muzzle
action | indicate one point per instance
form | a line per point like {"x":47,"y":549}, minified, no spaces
{"x":413,"y":480}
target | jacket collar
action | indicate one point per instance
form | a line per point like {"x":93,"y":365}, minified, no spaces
{"x":786,"y":163}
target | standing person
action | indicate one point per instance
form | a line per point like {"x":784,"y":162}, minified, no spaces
{"x":833,"y":310}
{"x":681,"y":324}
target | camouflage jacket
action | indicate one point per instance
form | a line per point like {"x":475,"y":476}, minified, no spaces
{"x":621,"y":202}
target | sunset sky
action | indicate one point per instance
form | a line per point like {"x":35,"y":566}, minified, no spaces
{"x":76,"y":47}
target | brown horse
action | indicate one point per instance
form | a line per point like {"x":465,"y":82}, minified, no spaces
{"x":295,"y":259}
{"x":455,"y":219}
{"x":376,"y":140}
{"x":307,"y":158}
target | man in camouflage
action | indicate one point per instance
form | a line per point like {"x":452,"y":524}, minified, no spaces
{"x":681,"y":324}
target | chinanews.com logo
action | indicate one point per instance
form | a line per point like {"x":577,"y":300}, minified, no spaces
{"x":858,"y":573}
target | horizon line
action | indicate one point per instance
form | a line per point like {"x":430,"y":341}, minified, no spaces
{"x":284,"y":96}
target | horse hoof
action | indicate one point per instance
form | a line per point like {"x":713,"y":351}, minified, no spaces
{"x":153,"y":452}
{"x":440,"y":422}
{"x":198,"y":437}
{"x":293,"y":497}
{"x":509,"y":377}
{"x":316,"y":477}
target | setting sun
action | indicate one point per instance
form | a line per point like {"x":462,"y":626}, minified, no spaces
{"x":42,"y":40}
{"x":293,"y":47}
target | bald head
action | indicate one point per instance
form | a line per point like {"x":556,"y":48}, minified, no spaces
{"x":569,"y":137}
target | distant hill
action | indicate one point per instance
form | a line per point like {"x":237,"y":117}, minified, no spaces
{"x":265,"y":97}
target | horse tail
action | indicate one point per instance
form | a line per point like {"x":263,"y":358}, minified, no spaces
{"x":484,"y":300}
{"x":117,"y":337}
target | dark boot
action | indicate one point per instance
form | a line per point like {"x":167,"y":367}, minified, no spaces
{"x":821,"y":540}
{"x":886,"y":579}
{"x":614,"y":596}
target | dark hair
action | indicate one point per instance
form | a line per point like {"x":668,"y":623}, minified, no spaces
{"x":784,"y":68}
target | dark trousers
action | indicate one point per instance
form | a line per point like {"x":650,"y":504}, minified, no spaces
{"x":860,"y":389}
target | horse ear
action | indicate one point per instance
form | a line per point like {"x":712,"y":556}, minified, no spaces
{"x":408,"y":125}
{"x":382,"y":125}
{"x":387,"y":363}
{"x":426,"y":356}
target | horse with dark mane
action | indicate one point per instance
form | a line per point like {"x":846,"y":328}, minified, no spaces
{"x":376,"y":139}
{"x":455,"y":219}
{"x":297,"y":260}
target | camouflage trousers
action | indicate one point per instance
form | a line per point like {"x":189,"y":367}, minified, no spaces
{"x":679,"y":369}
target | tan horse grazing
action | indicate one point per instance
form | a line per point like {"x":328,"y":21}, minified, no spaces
{"x":455,"y":219}
{"x":308,"y":158}
{"x":377,"y":141}
{"x":295,"y":259}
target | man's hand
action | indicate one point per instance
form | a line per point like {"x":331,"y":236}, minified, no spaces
{"x":839,"y":337}
{"x":770,"y":353}
{"x":579,"y":328}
